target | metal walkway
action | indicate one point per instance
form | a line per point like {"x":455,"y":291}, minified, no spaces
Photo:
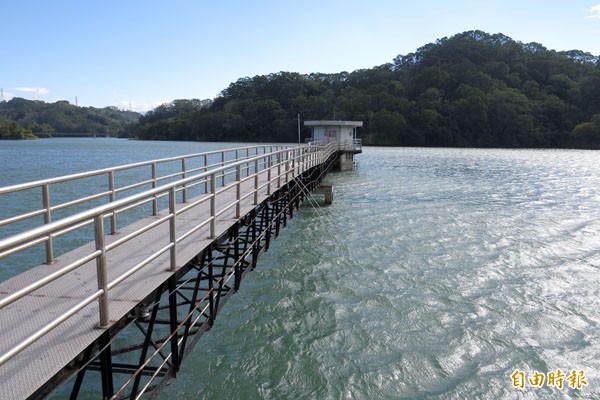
{"x":164,"y":276}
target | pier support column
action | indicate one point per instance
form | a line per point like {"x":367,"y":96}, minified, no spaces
{"x":326,"y":189}
{"x":346,"y":162}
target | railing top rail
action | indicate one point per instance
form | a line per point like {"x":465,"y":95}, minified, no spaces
{"x":65,"y":222}
{"x":65,"y":178}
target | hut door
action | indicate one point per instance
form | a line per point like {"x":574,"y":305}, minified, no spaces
{"x":331,"y":135}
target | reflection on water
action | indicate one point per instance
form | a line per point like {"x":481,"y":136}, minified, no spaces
{"x":435,"y":274}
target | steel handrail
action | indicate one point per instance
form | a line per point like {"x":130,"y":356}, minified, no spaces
{"x":87,"y":216}
{"x":111,"y":192}
{"x":113,"y":206}
{"x":50,"y":181}
{"x":87,"y":174}
{"x":289,"y":158}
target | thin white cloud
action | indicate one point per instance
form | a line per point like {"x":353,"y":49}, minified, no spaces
{"x":36,"y":90}
{"x":594,"y":11}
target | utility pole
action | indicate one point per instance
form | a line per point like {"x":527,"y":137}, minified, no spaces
{"x":1,"y":95}
{"x":298,"y":128}
{"x":76,"y":103}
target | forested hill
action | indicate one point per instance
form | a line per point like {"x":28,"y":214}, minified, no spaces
{"x":472,"y":89}
{"x":20,"y":117}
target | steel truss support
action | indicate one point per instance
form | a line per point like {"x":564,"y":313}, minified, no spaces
{"x":141,"y":353}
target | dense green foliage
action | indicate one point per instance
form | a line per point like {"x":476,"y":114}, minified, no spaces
{"x":46,"y":118}
{"x":171,"y":121}
{"x":472,"y":89}
{"x":13,"y":130}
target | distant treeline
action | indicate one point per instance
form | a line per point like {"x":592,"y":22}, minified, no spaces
{"x":473,"y":89}
{"x":22,"y":119}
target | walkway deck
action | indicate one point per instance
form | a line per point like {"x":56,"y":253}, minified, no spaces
{"x":24,"y":373}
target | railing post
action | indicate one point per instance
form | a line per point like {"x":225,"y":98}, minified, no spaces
{"x":223,"y":171}
{"x":287,"y":165}
{"x":295,"y":162}
{"x":155,"y":201}
{"x":101,"y":272}
{"x":278,"y":169}
{"x":47,"y":220}
{"x":183,"y":176}
{"x":238,"y":177}
{"x":213,"y":205}
{"x":172,"y":227}
{"x":256,"y":182}
{"x":205,"y":169}
{"x":269,"y":165}
{"x":112,"y":197}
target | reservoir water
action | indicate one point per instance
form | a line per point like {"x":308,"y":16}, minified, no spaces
{"x":435,"y":274}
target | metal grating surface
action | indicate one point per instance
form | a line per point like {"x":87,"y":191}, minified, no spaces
{"x":26,"y":372}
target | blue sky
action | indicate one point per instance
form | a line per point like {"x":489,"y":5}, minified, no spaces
{"x":143,"y":53}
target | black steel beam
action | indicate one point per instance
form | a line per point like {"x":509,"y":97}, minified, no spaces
{"x":169,"y":322}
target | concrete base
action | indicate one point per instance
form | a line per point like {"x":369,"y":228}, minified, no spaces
{"x":326,"y":189}
{"x":346,"y":162}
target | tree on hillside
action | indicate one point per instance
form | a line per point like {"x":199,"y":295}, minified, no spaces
{"x":13,"y":130}
{"x":470,"y":89}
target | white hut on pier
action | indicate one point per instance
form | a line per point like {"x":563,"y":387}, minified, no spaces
{"x":342,"y":132}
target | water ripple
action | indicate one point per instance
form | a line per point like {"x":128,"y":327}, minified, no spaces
{"x":434,"y":275}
